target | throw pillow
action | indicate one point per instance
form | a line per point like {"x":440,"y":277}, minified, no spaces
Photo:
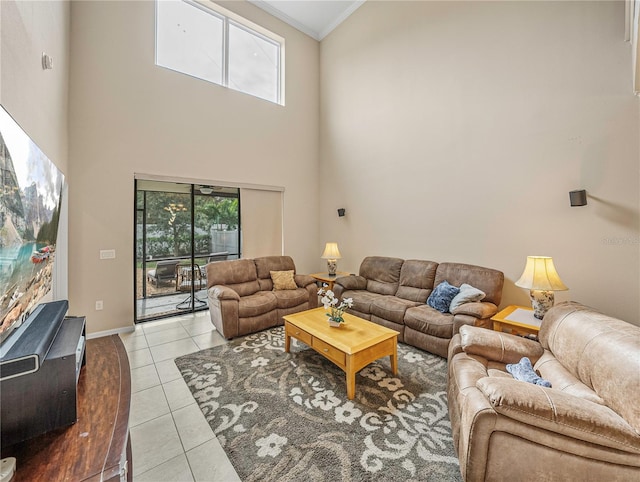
{"x":283,"y":280}
{"x":467,"y":294}
{"x":524,"y":372}
{"x":441,"y":297}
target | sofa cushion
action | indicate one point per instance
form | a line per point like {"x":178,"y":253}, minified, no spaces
{"x":291,"y":298}
{"x":266,"y":264}
{"x":497,"y":346}
{"x":557,"y":412}
{"x":382,"y":274}
{"x":391,"y":308}
{"x":600,"y":351}
{"x":486,"y":279}
{"x":237,"y":274}
{"x":428,"y":320}
{"x":362,"y":300}
{"x":440,"y":298}
{"x":283,"y":280}
{"x":551,"y":369}
{"x":467,"y":294}
{"x":257,"y":304}
{"x":416,"y":280}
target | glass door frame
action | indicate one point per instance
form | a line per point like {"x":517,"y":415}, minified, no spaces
{"x":192,"y":248}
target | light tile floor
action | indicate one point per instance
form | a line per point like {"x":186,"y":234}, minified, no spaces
{"x":170,"y":438}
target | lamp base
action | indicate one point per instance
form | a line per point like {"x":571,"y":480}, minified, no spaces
{"x":541,"y":301}
{"x":332,"y":265}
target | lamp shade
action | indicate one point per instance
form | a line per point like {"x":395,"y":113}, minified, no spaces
{"x":331,"y":251}
{"x":540,"y":274}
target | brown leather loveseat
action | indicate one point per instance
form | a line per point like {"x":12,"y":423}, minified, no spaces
{"x":242,"y":298}
{"x":393,"y":292}
{"x":585,"y":427}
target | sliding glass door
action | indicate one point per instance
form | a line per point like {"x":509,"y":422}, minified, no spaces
{"x":179,"y":229}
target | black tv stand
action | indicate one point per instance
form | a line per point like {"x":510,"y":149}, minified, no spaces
{"x":36,"y":402}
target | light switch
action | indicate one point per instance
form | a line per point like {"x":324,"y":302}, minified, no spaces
{"x":107,"y":253}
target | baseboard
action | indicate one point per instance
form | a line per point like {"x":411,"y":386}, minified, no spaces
{"x":115,"y":331}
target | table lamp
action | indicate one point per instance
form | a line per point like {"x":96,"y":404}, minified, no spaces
{"x":541,"y":278}
{"x":332,"y":255}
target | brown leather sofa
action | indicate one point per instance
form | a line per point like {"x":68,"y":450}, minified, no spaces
{"x":241,"y":296}
{"x":393,"y":292}
{"x":585,"y":427}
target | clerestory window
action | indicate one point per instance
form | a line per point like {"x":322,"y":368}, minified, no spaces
{"x":203,"y":40}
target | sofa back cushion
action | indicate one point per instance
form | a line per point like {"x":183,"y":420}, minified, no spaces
{"x":416,"y":280}
{"x":382,"y":274}
{"x":266,"y":264}
{"x":601,"y":351}
{"x":486,"y":279}
{"x":237,"y":274}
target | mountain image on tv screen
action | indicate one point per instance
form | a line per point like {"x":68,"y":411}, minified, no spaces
{"x":30,"y":190}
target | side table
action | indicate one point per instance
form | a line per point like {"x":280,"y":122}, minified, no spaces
{"x":518,"y":319}
{"x":325,"y":278}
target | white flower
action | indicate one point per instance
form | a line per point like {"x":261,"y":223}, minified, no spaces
{"x":347,"y":413}
{"x":271,"y":445}
{"x":348,"y":302}
{"x":413,"y":357}
{"x":259,"y":362}
{"x":325,"y":400}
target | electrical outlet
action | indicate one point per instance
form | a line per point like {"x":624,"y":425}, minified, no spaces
{"x":99,"y":305}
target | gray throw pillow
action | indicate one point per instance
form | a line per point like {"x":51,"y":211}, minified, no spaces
{"x":468,"y":294}
{"x":441,"y":297}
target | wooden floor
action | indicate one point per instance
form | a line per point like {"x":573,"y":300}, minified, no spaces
{"x":91,"y":448}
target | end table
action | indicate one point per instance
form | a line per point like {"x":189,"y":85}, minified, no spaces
{"x":518,"y":319}
{"x":324,"y":278}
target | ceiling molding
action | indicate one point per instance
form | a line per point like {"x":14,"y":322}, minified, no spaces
{"x":329,"y":28}
{"x":286,"y":18}
{"x":302,"y":27}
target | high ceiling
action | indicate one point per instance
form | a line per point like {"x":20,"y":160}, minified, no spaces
{"x":316,"y":18}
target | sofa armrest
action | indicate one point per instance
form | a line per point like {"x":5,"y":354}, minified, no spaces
{"x":304,"y":280}
{"x":559,"y":412}
{"x":352,"y":282}
{"x":498,"y":346}
{"x":479,"y":309}
{"x":223,"y":293}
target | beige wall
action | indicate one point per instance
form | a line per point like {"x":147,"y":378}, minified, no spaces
{"x":454,"y":131}
{"x":127,"y":116}
{"x":36,"y":98}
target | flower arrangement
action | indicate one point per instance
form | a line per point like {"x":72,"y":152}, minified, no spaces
{"x":330,"y":302}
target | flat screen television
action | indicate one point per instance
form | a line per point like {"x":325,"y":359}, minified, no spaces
{"x":30,"y":198}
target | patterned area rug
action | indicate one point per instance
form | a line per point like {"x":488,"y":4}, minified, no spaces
{"x":285,"y":416}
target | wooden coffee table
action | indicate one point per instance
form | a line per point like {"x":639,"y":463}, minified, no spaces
{"x":352,"y":346}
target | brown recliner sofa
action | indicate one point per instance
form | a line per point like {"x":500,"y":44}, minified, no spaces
{"x":585,"y":427}
{"x":393,"y":292}
{"x":242,"y":299}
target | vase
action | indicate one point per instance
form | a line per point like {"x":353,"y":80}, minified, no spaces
{"x":335,"y":324}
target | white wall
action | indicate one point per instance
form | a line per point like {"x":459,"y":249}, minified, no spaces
{"x":36,"y":98}
{"x":127,"y":116}
{"x":454,"y":131}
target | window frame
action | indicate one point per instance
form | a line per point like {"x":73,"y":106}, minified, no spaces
{"x":228,"y":17}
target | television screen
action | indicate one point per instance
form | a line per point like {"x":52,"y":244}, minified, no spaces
{"x":31,"y":187}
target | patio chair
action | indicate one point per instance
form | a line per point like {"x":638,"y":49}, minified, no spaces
{"x":164,"y":271}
